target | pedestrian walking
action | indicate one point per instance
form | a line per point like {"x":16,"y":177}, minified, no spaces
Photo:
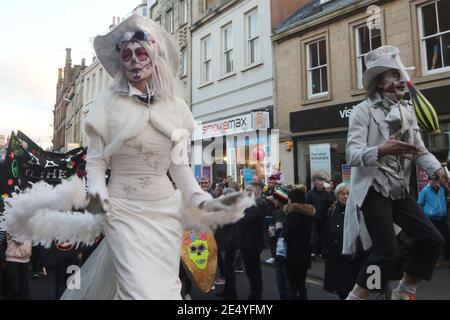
{"x":15,"y":277}
{"x":298,"y":228}
{"x":341,"y":270}
{"x":432,"y":200}
{"x":250,"y":240}
{"x":321,"y":199}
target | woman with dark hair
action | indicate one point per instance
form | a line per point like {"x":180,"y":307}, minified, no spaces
{"x":297,"y":228}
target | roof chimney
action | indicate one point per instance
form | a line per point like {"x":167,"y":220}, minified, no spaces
{"x":68,"y":57}
{"x":114,"y":21}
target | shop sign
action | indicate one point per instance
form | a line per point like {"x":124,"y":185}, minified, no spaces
{"x":238,"y":124}
{"x":320,"y":160}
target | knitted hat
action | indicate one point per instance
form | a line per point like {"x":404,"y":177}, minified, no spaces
{"x":281,"y":193}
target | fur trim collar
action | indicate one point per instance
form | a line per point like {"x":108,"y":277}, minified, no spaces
{"x":304,"y":209}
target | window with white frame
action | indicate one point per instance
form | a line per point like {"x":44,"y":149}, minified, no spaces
{"x":252,"y":25}
{"x":316,"y":61}
{"x":365,"y":40}
{"x":183,"y":11}
{"x":184,"y":62}
{"x":206,"y":59}
{"x":227,"y":49}
{"x":169,"y":21}
{"x":434,"y":29}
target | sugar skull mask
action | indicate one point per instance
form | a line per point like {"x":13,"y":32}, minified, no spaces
{"x":136,"y":62}
{"x":197,"y":247}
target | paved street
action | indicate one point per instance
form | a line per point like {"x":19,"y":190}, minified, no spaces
{"x":437,"y":289}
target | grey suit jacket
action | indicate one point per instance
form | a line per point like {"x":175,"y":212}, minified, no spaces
{"x":367,"y":130}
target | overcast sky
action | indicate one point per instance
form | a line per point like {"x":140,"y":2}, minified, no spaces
{"x":34,"y":35}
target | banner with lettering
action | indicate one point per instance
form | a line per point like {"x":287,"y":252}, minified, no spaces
{"x":27,"y":163}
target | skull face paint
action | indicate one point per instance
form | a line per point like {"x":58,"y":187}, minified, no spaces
{"x":197,"y":247}
{"x":394,"y":87}
{"x":136,"y":62}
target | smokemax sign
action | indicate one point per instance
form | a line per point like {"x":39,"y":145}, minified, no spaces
{"x":238,"y":124}
{"x":227,"y":125}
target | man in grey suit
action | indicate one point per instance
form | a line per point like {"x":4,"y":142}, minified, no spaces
{"x":383,"y":142}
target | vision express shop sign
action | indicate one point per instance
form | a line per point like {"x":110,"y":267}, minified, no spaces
{"x":337,"y":115}
{"x":321,"y":118}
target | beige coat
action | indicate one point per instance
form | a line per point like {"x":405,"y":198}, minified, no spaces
{"x":367,"y":130}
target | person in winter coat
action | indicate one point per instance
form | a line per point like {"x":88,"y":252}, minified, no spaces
{"x":281,"y":199}
{"x":250,"y":239}
{"x":321,"y":200}
{"x":341,"y":270}
{"x":432,"y":200}
{"x":15,"y":278}
{"x":297,"y":228}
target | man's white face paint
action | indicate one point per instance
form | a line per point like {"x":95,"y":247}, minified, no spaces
{"x":393,"y":86}
{"x":137,"y":62}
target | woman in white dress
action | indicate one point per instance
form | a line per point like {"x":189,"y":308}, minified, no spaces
{"x":139,"y":128}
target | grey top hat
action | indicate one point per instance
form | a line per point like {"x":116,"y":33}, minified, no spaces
{"x":108,"y":52}
{"x":378,"y":61}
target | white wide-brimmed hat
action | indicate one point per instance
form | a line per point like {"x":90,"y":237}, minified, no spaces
{"x":107,"y":47}
{"x":378,"y":61}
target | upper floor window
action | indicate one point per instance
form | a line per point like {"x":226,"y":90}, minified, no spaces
{"x":207,"y":4}
{"x":434,"y":29}
{"x":88,"y":89}
{"x":169,"y":21}
{"x":184,"y":62}
{"x":316,"y":61}
{"x":252,"y":23}
{"x":184,"y":12}
{"x":227,"y":49}
{"x":206,"y":60}
{"x":365,"y":40}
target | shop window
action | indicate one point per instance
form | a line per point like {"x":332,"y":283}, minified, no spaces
{"x":206,"y":60}
{"x":434,"y":28}
{"x":316,"y":61}
{"x":365,"y":40}
{"x":252,"y":26}
{"x":227,"y":47}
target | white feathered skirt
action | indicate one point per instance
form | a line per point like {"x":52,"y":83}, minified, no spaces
{"x":139,"y":257}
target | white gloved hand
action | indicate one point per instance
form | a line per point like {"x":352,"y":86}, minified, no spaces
{"x":97,"y":205}
{"x":223,"y":203}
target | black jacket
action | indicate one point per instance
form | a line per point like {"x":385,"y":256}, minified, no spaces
{"x":341,"y":270}
{"x":297,"y":231}
{"x":250,"y":229}
{"x":321,"y":200}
